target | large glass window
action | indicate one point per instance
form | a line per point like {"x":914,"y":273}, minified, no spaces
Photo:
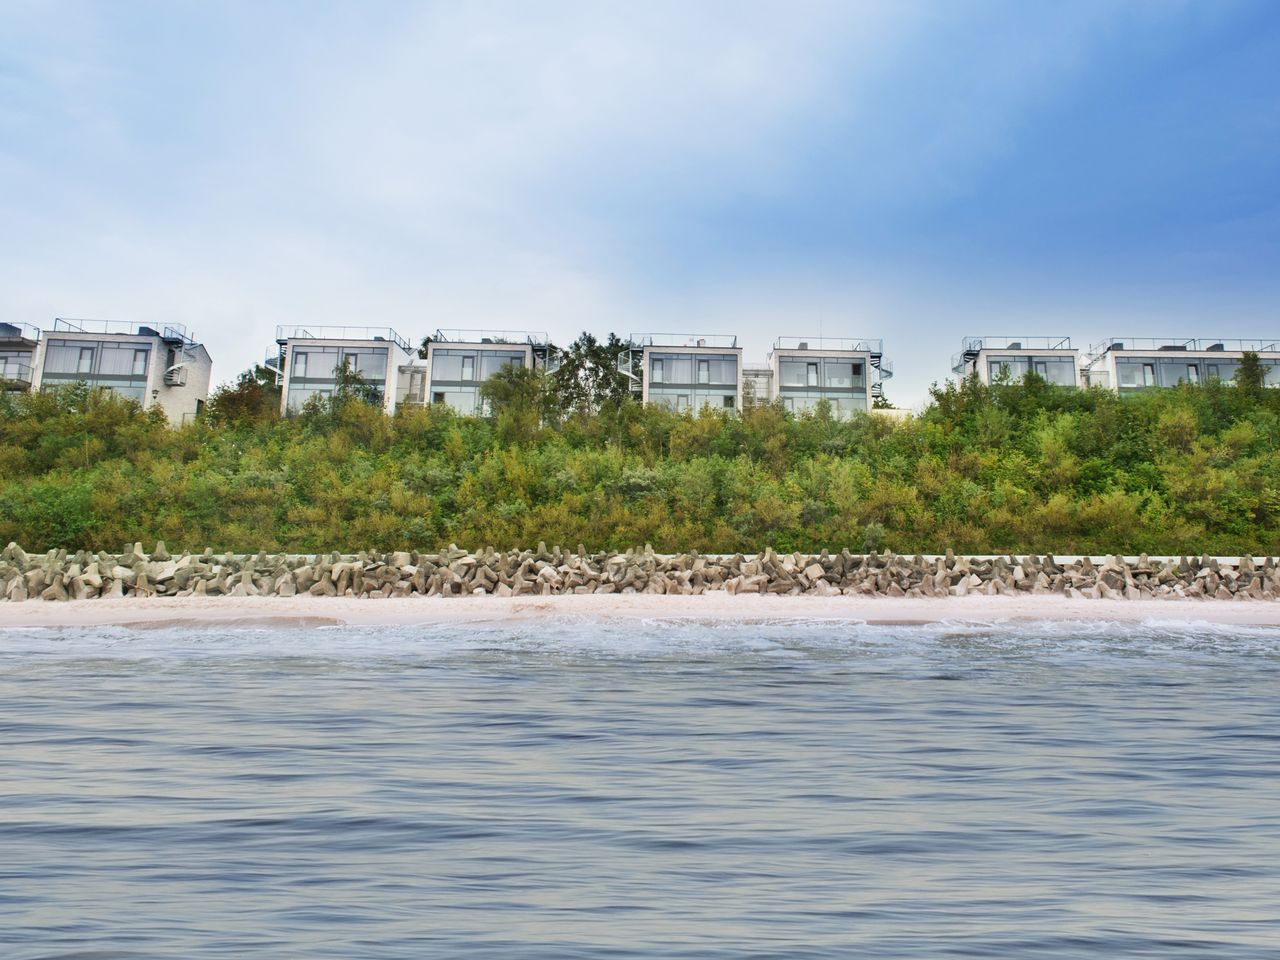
{"x":120,"y":365}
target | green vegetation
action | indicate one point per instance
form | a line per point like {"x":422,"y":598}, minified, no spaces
{"x":568,"y":458}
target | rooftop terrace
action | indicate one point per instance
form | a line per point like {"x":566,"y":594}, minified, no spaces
{"x":846,"y":344}
{"x":18,"y":332}
{"x":170,"y":332}
{"x":1174,"y":344}
{"x":486,"y":335}
{"x":723,"y":340}
{"x":299,"y":332}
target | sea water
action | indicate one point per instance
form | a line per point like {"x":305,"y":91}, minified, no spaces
{"x":597,"y":789}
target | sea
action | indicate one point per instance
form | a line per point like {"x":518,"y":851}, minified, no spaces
{"x":587,"y":788}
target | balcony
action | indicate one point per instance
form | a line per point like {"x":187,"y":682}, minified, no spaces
{"x":285,"y":333}
{"x":15,"y":373}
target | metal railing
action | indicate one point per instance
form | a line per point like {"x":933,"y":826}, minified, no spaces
{"x":721,"y":340}
{"x":171,"y":332}
{"x":534,"y":338}
{"x":19,"y":331}
{"x":12,"y":371}
{"x":974,"y":344}
{"x":1175,"y":344}
{"x":844,"y":344}
{"x":307,"y":332}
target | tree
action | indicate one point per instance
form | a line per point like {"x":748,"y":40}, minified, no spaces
{"x":517,"y":398}
{"x":1251,"y":376}
{"x":253,"y":398}
{"x":350,"y":386}
{"x":588,"y":377}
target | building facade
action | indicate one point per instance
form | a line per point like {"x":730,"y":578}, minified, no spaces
{"x":688,"y":372}
{"x":1139,"y":363}
{"x":1012,"y":358}
{"x":458,"y":362}
{"x":161,"y":366}
{"x":314,"y":361}
{"x":19,"y":344}
{"x":846,"y":373}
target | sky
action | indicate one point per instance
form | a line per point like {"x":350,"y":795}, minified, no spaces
{"x":913,"y":171}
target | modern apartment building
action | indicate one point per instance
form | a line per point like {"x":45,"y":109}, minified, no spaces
{"x":992,"y":358}
{"x":160,"y":366}
{"x":684,"y":372}
{"x":459,"y":361}
{"x":1137,"y":363}
{"x":19,"y":343}
{"x":845,"y":372}
{"x":310,"y":361}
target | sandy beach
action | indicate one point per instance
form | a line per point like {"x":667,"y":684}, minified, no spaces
{"x":317,"y":611}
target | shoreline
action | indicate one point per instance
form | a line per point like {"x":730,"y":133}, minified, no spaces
{"x":310,"y":612}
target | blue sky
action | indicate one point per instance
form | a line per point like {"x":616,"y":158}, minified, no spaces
{"x":912,"y":171}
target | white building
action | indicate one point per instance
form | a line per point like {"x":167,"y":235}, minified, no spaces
{"x":845,"y":372}
{"x":683,"y":372}
{"x":309,"y":361}
{"x":1137,"y":363}
{"x":19,"y":344}
{"x":459,"y":361}
{"x":156,"y":365}
{"x":993,"y":358}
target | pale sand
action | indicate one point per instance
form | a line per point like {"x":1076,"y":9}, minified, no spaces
{"x":328,"y":611}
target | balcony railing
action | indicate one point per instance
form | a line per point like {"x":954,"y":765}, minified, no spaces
{"x":486,"y":336}
{"x":721,"y":340}
{"x":12,"y":371}
{"x":24,"y":332}
{"x":844,"y":344}
{"x":301,"y":332}
{"x":1176,"y":344}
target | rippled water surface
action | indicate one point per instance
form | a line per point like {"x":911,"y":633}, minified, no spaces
{"x":571,"y":789}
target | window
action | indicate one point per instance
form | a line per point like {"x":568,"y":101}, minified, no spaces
{"x":468,"y":368}
{"x":1148,"y":374}
{"x":199,"y":407}
{"x":85,"y":364}
{"x":1193,"y":373}
{"x":437,"y":397}
{"x":1213,"y":372}
{"x":682,"y":401}
{"x":704,"y":371}
{"x":140,"y":362}
{"x":728,"y":403}
{"x":657,"y":371}
{"x":300,"y":364}
{"x":811,"y":374}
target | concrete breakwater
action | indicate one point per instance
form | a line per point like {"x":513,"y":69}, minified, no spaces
{"x":59,"y":575}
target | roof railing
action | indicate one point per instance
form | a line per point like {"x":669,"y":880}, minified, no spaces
{"x":308,"y":332}
{"x":173,"y":332}
{"x":19,"y":331}
{"x":974,"y":344}
{"x":721,"y":340}
{"x":843,"y":344}
{"x":534,"y":338}
{"x":1174,"y":344}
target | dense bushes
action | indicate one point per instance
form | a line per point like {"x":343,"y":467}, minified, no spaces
{"x":1021,"y":467}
